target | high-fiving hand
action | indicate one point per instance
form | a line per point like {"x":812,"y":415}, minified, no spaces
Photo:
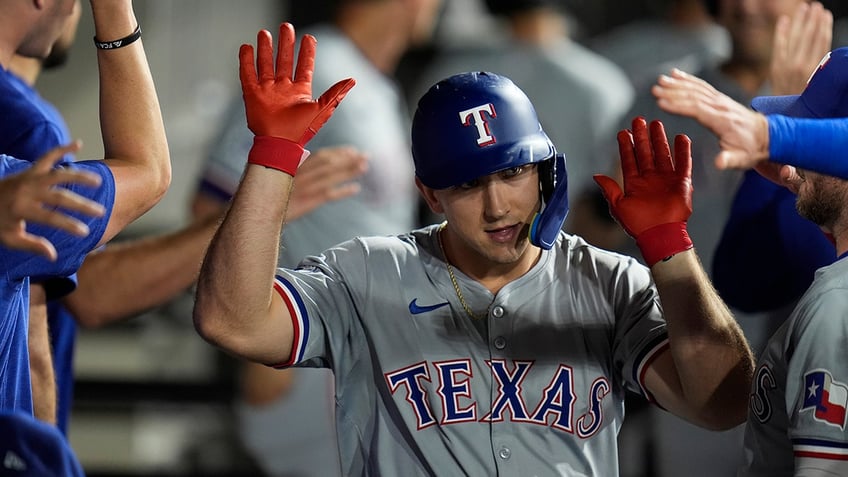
{"x":800,"y":42}
{"x":657,"y":198}
{"x":742,"y":132}
{"x":278,"y":98}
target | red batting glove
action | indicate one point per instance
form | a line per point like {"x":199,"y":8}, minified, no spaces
{"x":280,"y":109}
{"x":657,"y":197}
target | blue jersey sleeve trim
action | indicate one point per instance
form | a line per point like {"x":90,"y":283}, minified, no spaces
{"x":820,"y":449}
{"x":58,"y":287}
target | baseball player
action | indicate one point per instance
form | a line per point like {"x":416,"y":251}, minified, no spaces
{"x":491,"y":344}
{"x":797,"y":418}
{"x":133,"y":177}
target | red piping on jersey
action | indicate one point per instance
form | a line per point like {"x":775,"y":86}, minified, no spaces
{"x":295,"y":328}
{"x":821,"y":455}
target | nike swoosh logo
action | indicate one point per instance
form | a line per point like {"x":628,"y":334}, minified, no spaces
{"x":415,"y":309}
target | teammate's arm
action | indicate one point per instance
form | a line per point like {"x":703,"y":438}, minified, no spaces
{"x":127,"y":278}
{"x":134,"y":141}
{"x":817,"y":145}
{"x":236,"y":306}
{"x":706,"y":374}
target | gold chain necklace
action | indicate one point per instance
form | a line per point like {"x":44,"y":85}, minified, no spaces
{"x":453,"y":279}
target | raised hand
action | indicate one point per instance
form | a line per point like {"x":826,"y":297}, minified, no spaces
{"x":278,"y":97}
{"x":327,"y":176}
{"x":657,"y":198}
{"x":800,"y":42}
{"x":34,"y":195}
{"x":742,"y":132}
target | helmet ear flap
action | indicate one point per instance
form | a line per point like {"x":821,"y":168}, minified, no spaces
{"x":546,"y":224}
{"x":547,"y":178}
{"x":552,"y":174}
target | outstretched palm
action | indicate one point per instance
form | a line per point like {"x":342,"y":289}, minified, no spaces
{"x":278,"y":98}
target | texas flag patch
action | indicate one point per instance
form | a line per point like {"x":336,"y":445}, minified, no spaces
{"x":828,"y":398}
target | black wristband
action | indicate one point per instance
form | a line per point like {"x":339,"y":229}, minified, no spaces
{"x":120,"y":43}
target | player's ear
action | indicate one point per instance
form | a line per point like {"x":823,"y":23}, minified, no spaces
{"x":429,"y":196}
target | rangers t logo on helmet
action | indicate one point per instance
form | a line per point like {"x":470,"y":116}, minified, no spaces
{"x":475,"y":115}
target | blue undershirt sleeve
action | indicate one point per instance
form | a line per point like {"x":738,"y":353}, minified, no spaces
{"x":817,"y":145}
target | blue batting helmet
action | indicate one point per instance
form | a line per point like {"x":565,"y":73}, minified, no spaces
{"x":471,"y":125}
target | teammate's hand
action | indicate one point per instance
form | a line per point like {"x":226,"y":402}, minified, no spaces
{"x":742,"y":132}
{"x":34,"y":195}
{"x":657,"y":198}
{"x":327,"y":176}
{"x":279,"y":104}
{"x":800,"y":42}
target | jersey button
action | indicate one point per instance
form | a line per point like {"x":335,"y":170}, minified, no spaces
{"x":504,"y":453}
{"x":498,"y":311}
{"x":500,"y":342}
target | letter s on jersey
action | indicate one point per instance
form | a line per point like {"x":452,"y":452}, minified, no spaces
{"x":763,"y":383}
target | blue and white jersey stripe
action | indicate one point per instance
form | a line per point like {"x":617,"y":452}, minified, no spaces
{"x":299,"y":316}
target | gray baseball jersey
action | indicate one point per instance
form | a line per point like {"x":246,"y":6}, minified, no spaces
{"x":800,"y":391}
{"x":535,"y":388}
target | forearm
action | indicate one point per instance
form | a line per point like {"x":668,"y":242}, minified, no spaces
{"x":131,"y":123}
{"x":125,"y":279}
{"x":813,"y":144}
{"x":40,"y":358}
{"x":711,"y":356}
{"x":236,"y":307}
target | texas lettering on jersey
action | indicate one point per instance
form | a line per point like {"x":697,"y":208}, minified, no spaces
{"x":555,"y":408}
